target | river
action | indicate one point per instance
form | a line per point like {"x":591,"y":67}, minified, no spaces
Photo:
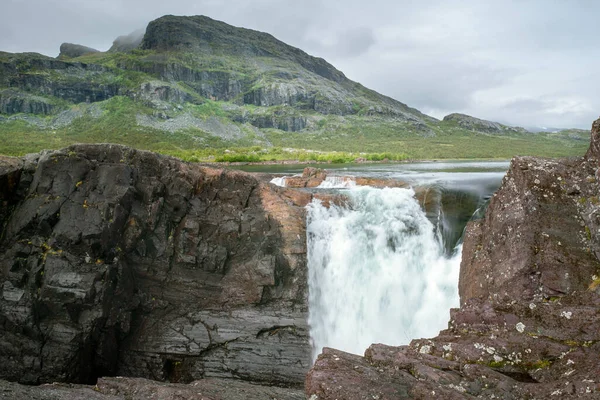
{"x":383,"y":268}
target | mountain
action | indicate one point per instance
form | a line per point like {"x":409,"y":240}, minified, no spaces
{"x":193,"y":87}
{"x":481,"y":125}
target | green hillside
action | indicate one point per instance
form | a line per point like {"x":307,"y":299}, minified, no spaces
{"x":204,"y":90}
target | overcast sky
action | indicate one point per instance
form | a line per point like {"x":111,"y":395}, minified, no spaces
{"x":522,"y":62}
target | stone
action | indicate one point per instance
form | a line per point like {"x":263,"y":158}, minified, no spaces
{"x":142,"y":389}
{"x":528,"y":324}
{"x":70,"y":50}
{"x":482,"y":126}
{"x":122,"y":262}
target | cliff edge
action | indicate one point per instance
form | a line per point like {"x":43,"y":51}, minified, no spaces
{"x":115,"y":261}
{"x":529,"y":322}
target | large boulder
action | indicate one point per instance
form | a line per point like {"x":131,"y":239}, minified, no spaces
{"x":529,"y":321}
{"x":117,"y":261}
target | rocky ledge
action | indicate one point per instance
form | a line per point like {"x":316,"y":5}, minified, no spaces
{"x":122,"y":262}
{"x":529,"y":322}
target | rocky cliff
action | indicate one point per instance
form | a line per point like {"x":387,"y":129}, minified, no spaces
{"x":122,"y":262}
{"x":529,"y":322}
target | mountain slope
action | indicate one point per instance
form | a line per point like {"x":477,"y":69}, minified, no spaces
{"x":192,"y":83}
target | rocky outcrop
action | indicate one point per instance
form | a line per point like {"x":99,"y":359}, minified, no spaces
{"x":29,"y":76}
{"x":594,"y":150}
{"x":159,"y":91}
{"x":70,"y":50}
{"x":10,"y":174}
{"x":127,"y":43}
{"x":121,"y":262}
{"x":13,"y":102}
{"x":481,"y":125}
{"x":211,"y":84}
{"x":142,"y":389}
{"x":528,"y":325}
{"x":203,"y":34}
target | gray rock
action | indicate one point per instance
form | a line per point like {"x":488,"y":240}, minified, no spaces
{"x":142,"y":389}
{"x":117,"y":261}
{"x":70,"y":50}
{"x":127,"y":43}
{"x":481,"y":125}
{"x":13,"y":102}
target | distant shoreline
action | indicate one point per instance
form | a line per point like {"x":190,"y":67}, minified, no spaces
{"x":313,"y":162}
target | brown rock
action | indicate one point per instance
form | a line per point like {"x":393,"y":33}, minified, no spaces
{"x":594,"y":150}
{"x":528,"y":325}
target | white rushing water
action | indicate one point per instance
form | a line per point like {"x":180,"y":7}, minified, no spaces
{"x":377,"y":272}
{"x":337,"y":182}
{"x":279,"y":181}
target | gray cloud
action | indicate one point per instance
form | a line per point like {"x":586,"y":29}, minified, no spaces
{"x":525,"y":62}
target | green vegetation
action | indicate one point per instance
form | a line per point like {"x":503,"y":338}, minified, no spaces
{"x":244,"y":97}
{"x":539,"y":364}
{"x":334,"y":138}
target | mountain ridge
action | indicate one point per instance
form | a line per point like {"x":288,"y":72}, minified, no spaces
{"x":217,"y":86}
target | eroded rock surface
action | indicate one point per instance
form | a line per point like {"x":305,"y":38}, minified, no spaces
{"x":529,"y":322}
{"x":122,"y":262}
{"x":143,"y":389}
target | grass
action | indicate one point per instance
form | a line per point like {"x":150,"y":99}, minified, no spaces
{"x":328,"y":137}
{"x":333,"y":138}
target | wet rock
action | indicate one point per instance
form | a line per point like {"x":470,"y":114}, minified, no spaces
{"x":528,"y":325}
{"x":117,"y":261}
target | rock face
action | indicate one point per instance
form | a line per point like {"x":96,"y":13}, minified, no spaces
{"x":122,"y":262}
{"x":199,"y":33}
{"x":529,"y":321}
{"x":12,"y":102}
{"x":38,"y":84}
{"x":71,"y":50}
{"x":143,"y":389}
{"x":481,"y":125}
{"x":127,"y":42}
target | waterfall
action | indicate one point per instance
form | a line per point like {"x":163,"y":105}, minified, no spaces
{"x":377,"y":272}
{"x":337,"y":182}
{"x":279,"y":181}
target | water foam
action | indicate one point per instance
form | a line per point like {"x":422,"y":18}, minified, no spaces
{"x":279,"y":181}
{"x":377,"y":272}
{"x":337,"y":182}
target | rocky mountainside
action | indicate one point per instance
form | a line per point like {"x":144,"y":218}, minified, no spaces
{"x":194,"y":83}
{"x":529,"y":322}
